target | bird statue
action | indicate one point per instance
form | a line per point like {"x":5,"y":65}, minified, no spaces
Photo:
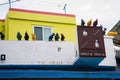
{"x":89,"y":22}
{"x":62,"y":37}
{"x":33,"y":36}
{"x":85,"y":33}
{"x":2,"y":36}
{"x":112,"y":33}
{"x":26,"y":37}
{"x":95,"y":22}
{"x":51,"y":37}
{"x":82,"y":22}
{"x":101,"y":26}
{"x":104,"y":31}
{"x":57,"y":37}
{"x":19,"y":36}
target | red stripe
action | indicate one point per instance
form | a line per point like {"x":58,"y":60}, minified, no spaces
{"x":2,"y":20}
{"x":41,"y":12}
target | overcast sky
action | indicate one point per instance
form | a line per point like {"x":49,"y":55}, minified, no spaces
{"x":106,"y":11}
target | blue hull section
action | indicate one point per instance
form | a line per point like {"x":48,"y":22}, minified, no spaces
{"x":5,"y":74}
{"x":55,"y":67}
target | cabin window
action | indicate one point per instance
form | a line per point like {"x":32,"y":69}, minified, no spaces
{"x":42,"y":32}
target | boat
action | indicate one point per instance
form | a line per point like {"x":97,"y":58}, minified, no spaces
{"x":93,"y":51}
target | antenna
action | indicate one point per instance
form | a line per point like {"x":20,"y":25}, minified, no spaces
{"x":64,"y":8}
{"x":9,"y":3}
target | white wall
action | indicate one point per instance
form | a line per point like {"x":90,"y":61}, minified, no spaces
{"x":37,"y":52}
{"x":110,"y":53}
{"x":40,"y":52}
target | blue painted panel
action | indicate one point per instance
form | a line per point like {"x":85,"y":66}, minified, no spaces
{"x":88,"y":61}
{"x":58,"y":74}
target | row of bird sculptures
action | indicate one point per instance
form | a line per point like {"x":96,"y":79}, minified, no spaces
{"x":89,"y":23}
{"x":26,"y":36}
{"x":95,"y":23}
{"x":53,"y":35}
{"x":56,"y":37}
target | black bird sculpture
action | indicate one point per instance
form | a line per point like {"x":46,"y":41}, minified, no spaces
{"x":82,"y":22}
{"x":2,"y":36}
{"x":62,"y":37}
{"x":26,"y":37}
{"x":57,"y":37}
{"x":19,"y":36}
{"x":51,"y":37}
{"x":95,"y":23}
{"x":104,"y":31}
{"x":101,"y":26}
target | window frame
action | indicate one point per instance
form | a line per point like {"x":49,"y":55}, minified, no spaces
{"x":43,"y":38}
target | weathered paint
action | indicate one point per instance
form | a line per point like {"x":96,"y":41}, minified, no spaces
{"x":37,"y":53}
{"x":53,"y":53}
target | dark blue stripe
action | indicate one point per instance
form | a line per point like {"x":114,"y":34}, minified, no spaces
{"x":56,"y":67}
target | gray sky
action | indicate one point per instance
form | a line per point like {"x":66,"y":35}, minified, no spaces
{"x":106,"y":11}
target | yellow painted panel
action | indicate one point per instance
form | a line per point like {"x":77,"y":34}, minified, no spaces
{"x":68,"y":31}
{"x":6,"y":29}
{"x":2,"y":27}
{"x":42,"y":17}
{"x":1,"y":23}
{"x":22,"y":26}
{"x":24,"y":21}
{"x":19,"y":26}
